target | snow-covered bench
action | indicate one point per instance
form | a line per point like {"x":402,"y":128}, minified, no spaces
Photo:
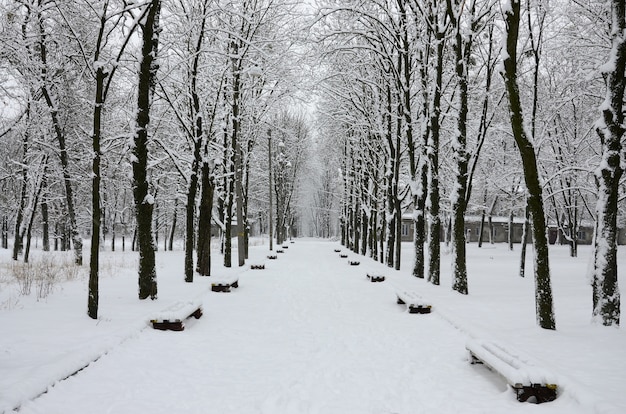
{"x":343,"y":255}
{"x":375,"y":278}
{"x":526,"y":379}
{"x":414,"y":302}
{"x":173,"y":317}
{"x":272,"y":256}
{"x":354,"y":262}
{"x":258,"y":266}
{"x":224,"y":283}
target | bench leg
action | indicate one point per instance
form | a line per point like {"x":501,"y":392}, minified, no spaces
{"x":418,"y":309}
{"x":197,"y":313}
{"x":542,"y":394}
{"x":169,"y":326}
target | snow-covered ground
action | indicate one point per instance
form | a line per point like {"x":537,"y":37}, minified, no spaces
{"x":309,"y":334}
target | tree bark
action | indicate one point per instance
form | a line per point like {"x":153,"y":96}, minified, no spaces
{"x":94,"y":260}
{"x":543,"y":288}
{"x":144,"y":202}
{"x":610,"y":128}
{"x":60,"y":135}
{"x":462,"y":48}
{"x":434,"y":231}
{"x":204,"y":222}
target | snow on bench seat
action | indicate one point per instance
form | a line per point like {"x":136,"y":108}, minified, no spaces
{"x":526,"y":378}
{"x":172,"y":318}
{"x":224,"y":283}
{"x":414,"y":302}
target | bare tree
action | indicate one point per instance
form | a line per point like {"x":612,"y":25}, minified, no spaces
{"x":610,"y":128}
{"x":144,"y":201}
{"x":543,"y":288}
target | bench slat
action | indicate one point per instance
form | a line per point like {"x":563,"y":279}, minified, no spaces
{"x":520,"y":373}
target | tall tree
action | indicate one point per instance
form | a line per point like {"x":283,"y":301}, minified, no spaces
{"x":543,"y":288}
{"x":610,"y":128}
{"x":144,"y":200}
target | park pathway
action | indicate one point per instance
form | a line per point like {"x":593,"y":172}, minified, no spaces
{"x":309,"y":334}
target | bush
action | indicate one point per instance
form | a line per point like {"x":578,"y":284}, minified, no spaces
{"x":44,"y":274}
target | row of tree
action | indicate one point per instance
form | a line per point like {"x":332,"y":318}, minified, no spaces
{"x":121,"y":114}
{"x":439,"y":107}
{"x":448,"y":107}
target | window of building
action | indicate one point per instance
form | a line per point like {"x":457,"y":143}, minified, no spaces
{"x":405,"y":230}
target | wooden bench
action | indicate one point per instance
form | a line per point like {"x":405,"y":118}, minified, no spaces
{"x":280,"y":251}
{"x":173,"y":317}
{"x":337,"y":250}
{"x":343,"y":256}
{"x":353,"y":262}
{"x":272,"y":257}
{"x":285,"y":246}
{"x":527,"y":379}
{"x":257,"y":266}
{"x":414,"y":302}
{"x":224,"y":284}
{"x":375,"y":278}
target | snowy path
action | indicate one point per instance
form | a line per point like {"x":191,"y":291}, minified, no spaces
{"x":309,"y":334}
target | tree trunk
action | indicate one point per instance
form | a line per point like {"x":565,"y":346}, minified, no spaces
{"x":33,"y":213}
{"x":419,"y":228}
{"x":144,"y":201}
{"x":5,"y":232}
{"x":174,"y":223}
{"x":19,"y":217}
{"x":606,"y":294}
{"x":45,"y":217}
{"x":204,"y":222}
{"x":462,"y":48}
{"x":510,"y":230}
{"x":60,"y":135}
{"x":434,"y":231}
{"x":191,"y":210}
{"x":524,"y":241}
{"x":93,"y":296}
{"x":543,"y":288}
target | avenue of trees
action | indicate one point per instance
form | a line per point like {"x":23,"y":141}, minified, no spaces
{"x":136,"y":123}
{"x":148,"y":120}
{"x":444,"y":109}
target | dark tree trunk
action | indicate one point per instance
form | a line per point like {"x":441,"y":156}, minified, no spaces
{"x":33,"y":213}
{"x":190,"y":211}
{"x":204,"y":222}
{"x":144,"y":202}
{"x":5,"y":232}
{"x":543,"y":288}
{"x":510,"y":230}
{"x":462,"y":48}
{"x":606,"y":294}
{"x":419,"y":227}
{"x":524,"y":241}
{"x":93,"y":296}
{"x":195,"y":166}
{"x":173,"y":228}
{"x":45,"y":217}
{"x":19,"y":217}
{"x":60,"y":135}
{"x":434,"y":231}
